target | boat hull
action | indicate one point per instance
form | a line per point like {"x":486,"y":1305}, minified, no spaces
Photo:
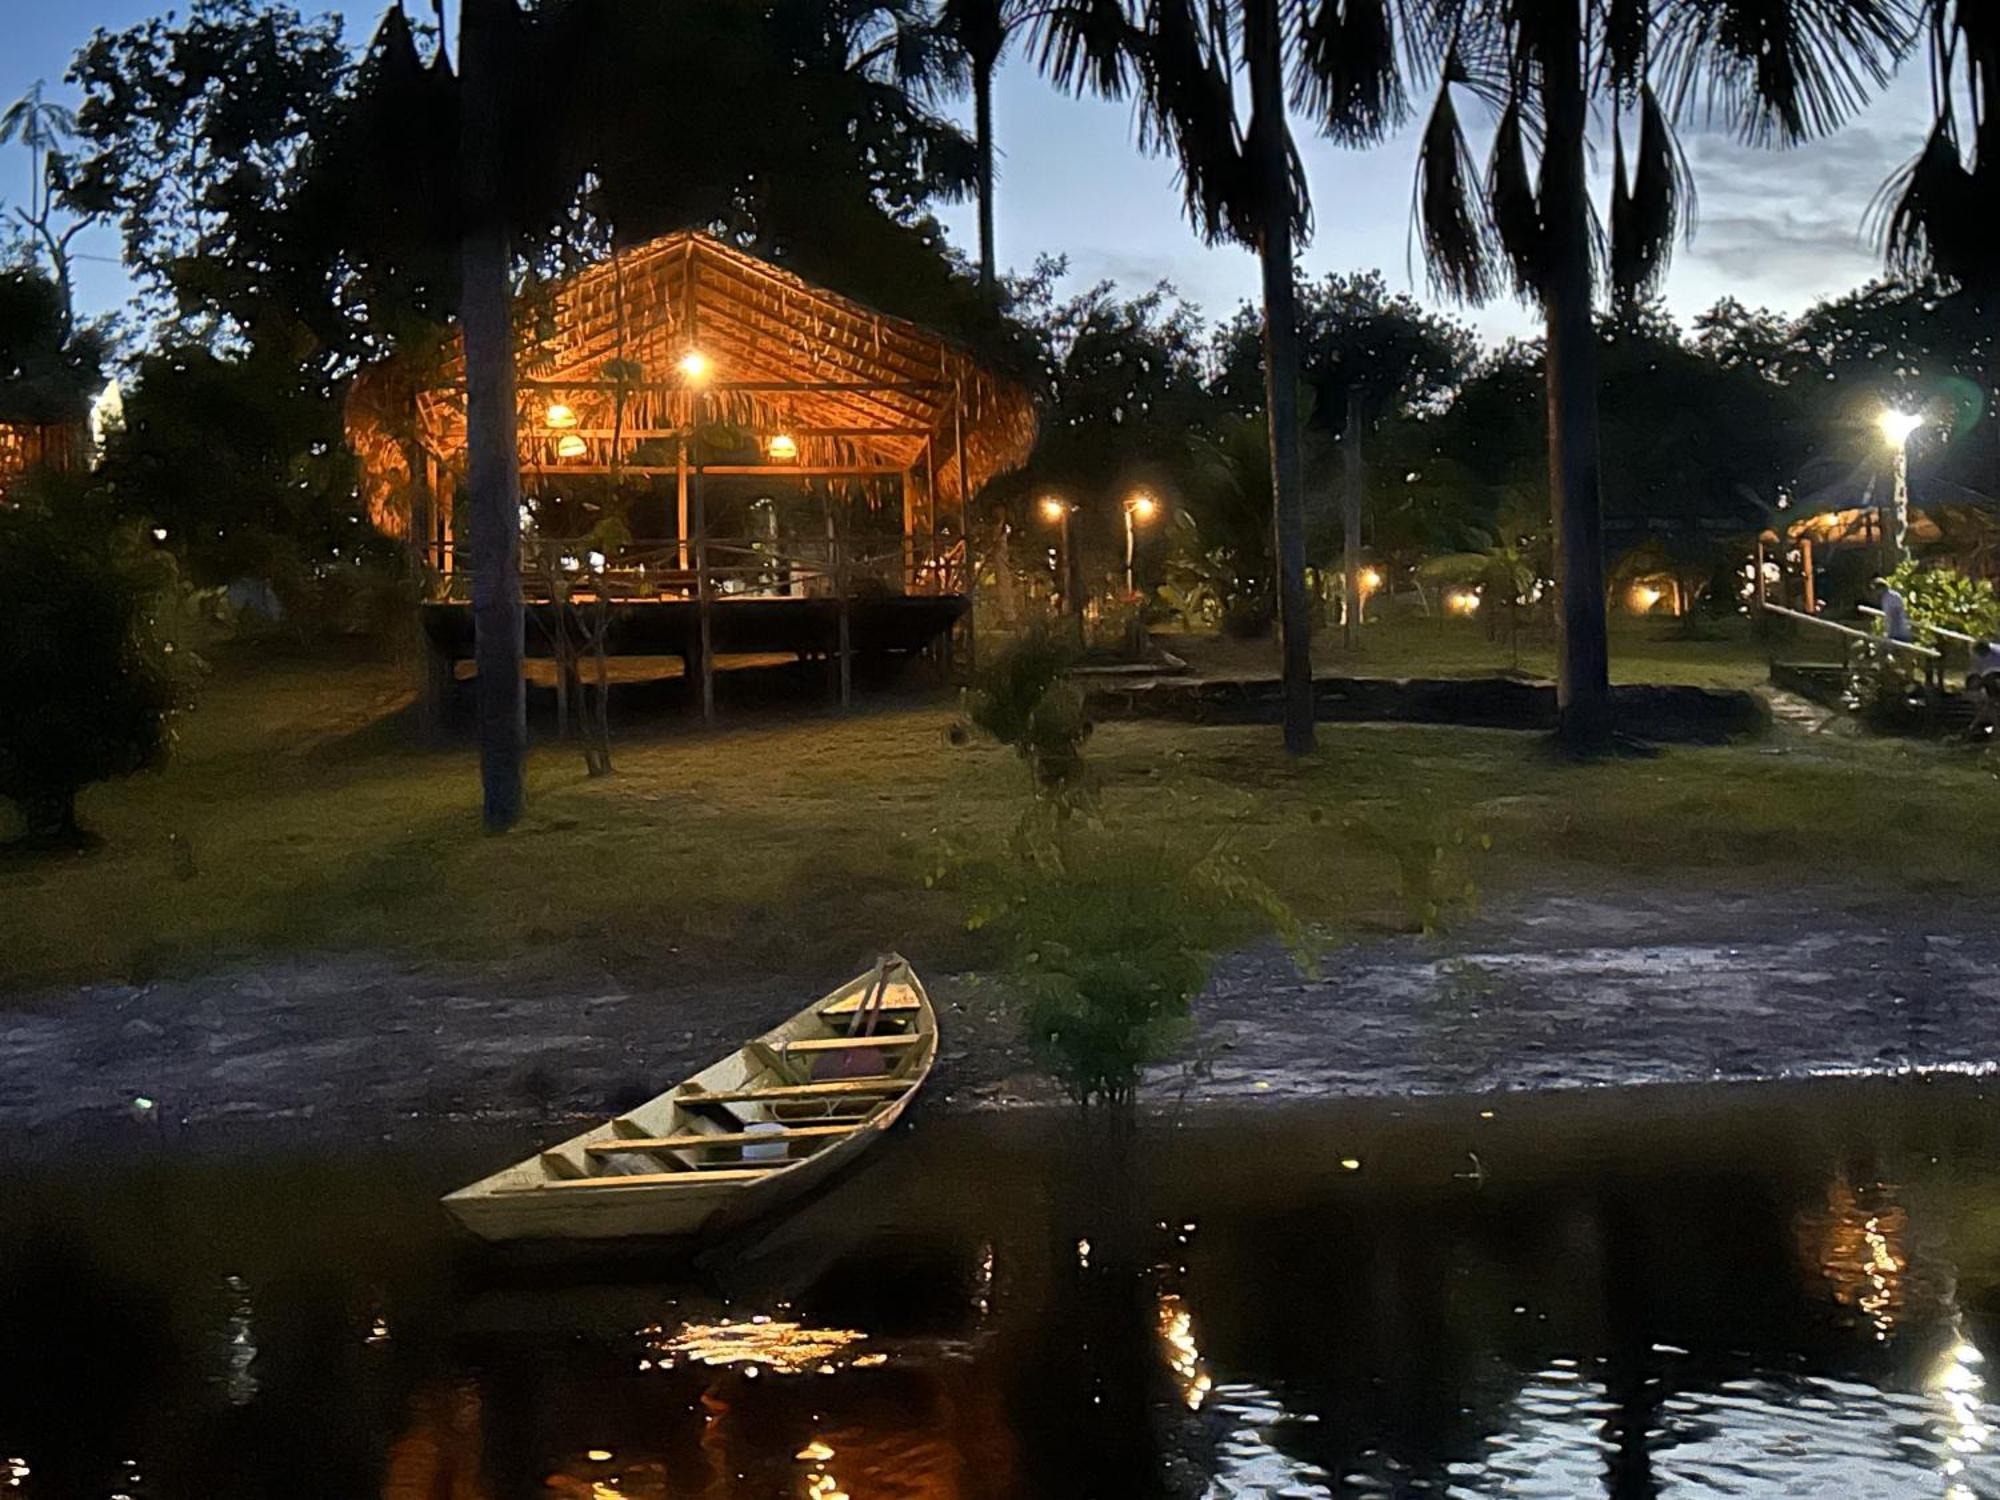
{"x":609,"y":1183}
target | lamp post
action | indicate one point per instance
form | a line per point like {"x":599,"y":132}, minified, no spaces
{"x":1056,"y":511}
{"x":1897,"y":427}
{"x":1140,"y":507}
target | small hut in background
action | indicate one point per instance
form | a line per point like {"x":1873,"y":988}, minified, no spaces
{"x":717,"y":431}
{"x":28,"y":445}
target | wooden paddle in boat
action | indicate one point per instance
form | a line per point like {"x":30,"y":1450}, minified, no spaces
{"x":745,"y":1135}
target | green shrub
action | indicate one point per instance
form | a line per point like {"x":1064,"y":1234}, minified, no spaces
{"x":1942,"y":597}
{"x":86,"y":670}
{"x":1106,"y":953}
{"x":1024,"y":699}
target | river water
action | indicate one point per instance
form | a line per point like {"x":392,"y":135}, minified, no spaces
{"x":1768,"y":1289}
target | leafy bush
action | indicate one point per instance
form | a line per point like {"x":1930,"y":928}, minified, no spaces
{"x":1432,"y":858}
{"x":1024,"y":699}
{"x":1942,"y":597}
{"x":1107,"y":953}
{"x":86,"y":671}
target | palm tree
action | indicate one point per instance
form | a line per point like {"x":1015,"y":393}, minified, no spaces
{"x":1779,"y":71}
{"x":1242,"y":182}
{"x":1939,"y":210}
{"x":980,"y":30}
{"x":42,"y":125}
{"x":493,"y":460}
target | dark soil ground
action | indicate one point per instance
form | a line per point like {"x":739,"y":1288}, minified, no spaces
{"x":1625,"y":986}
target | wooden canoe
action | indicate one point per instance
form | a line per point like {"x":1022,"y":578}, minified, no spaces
{"x":748,"y":1133}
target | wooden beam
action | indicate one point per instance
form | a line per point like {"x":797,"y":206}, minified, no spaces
{"x":683,"y":1178}
{"x":675,"y":387}
{"x":715,"y":1138}
{"x":558,"y":471}
{"x":882,"y":1085}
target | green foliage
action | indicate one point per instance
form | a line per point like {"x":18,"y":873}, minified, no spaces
{"x":1885,"y":688}
{"x":1106,"y":953}
{"x":1942,"y":597}
{"x":48,"y":374}
{"x":86,"y":671}
{"x":1024,"y":699}
{"x":1432,"y":856}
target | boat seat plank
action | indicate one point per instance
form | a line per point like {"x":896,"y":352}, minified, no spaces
{"x":901,"y":1000}
{"x":883,"y":1085}
{"x":841,"y":1043}
{"x":712,"y":1138}
{"x":658,"y":1179}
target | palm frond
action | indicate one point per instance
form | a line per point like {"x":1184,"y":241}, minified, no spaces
{"x":1779,"y":71}
{"x":1628,"y":26}
{"x":1347,"y":74}
{"x":1188,"y":111}
{"x":1449,"y":217}
{"x":1648,"y":212}
{"x":1514,"y":206}
{"x":1934,"y":217}
{"x":1086,"y":46}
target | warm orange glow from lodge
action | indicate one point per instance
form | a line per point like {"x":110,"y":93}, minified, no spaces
{"x":1054,"y":508}
{"x":783,"y":448}
{"x":784,"y":1348}
{"x":1183,"y":1355}
{"x":1370,"y":580}
{"x":559,"y":415}
{"x":571,"y":446}
{"x":694,"y":365}
{"x":1461,"y":602}
{"x":1643,"y":597}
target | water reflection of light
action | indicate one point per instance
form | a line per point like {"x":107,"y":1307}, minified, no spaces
{"x":782,"y":1347}
{"x":1860,"y":1243}
{"x":1956,"y":1381}
{"x":239,"y":1381}
{"x":1176,"y":1327}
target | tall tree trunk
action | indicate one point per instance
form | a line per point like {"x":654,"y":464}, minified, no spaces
{"x":1354,"y":489}
{"x":493,"y":472}
{"x":982,"y":135}
{"x":1583,"y":673}
{"x":1268,"y":147}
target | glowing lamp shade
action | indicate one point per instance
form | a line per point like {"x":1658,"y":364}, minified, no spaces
{"x":1053,"y":508}
{"x":1462,"y":602}
{"x":559,"y":415}
{"x":694,"y":365}
{"x":571,"y":446}
{"x":1644,"y":596}
{"x":1144,"y":506}
{"x":1370,"y":580}
{"x":783,"y":448}
{"x":1898,"y":425}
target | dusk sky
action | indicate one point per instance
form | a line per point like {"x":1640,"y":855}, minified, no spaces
{"x":1774,"y":228}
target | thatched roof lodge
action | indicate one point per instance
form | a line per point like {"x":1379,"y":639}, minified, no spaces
{"x":688,"y":358}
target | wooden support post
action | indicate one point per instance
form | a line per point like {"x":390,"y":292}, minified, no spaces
{"x":1812,"y":589}
{"x":681,"y":495}
{"x":909,"y":532}
{"x":843,"y":586}
{"x":930,"y":507}
{"x":703,"y":588}
{"x":964,"y":527}
{"x":1759,"y":581}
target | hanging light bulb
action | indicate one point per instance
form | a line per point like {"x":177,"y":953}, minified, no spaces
{"x":571,"y":446}
{"x":694,"y":365}
{"x":783,"y":448}
{"x":559,"y":415}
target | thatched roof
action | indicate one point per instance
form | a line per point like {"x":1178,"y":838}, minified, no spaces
{"x":856,"y":389}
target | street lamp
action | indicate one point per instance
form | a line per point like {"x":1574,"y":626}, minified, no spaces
{"x":1140,"y":507}
{"x":1897,"y":428}
{"x":1056,"y":511}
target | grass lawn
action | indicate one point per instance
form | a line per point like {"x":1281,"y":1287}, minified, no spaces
{"x":1648,"y":649}
{"x":296,"y":818}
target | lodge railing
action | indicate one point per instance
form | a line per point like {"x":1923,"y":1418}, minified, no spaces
{"x":718,"y":567}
